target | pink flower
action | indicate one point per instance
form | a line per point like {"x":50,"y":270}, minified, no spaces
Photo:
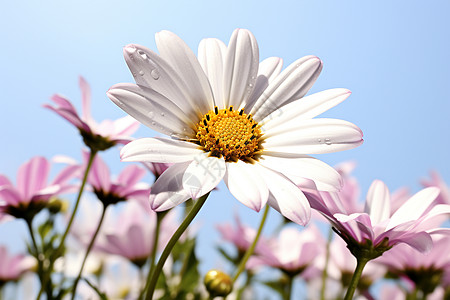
{"x":293,"y":251}
{"x":424,"y":270}
{"x":377,"y":227}
{"x":130,"y":233}
{"x":32,"y":191}
{"x":126,"y":186}
{"x":242,"y":236}
{"x":96,"y":136}
{"x":13,"y":266}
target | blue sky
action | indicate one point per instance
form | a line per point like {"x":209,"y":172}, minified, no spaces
{"x":393,"y":56}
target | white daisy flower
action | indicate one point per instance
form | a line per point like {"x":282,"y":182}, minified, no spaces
{"x":230,"y":117}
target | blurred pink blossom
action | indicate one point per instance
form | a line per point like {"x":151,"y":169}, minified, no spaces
{"x":102,"y":135}
{"x":125,"y":187}
{"x":13,"y":266}
{"x":293,"y":251}
{"x":129,"y":234}
{"x":33,"y":191}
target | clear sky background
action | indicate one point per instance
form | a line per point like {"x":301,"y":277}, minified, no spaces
{"x":393,"y":56}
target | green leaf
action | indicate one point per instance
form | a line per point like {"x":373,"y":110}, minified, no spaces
{"x":227,"y":256}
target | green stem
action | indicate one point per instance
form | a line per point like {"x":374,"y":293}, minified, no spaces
{"x":250,"y":250}
{"x":173,"y":240}
{"x":288,"y":287}
{"x":325,"y":268}
{"x":36,"y":250}
{"x":74,"y":288}
{"x":159,"y":218}
{"x":360,"y":264}
{"x":61,"y":244}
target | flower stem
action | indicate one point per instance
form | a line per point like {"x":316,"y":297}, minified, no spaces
{"x":325,"y":267}
{"x":250,"y":250}
{"x":288,"y":287}
{"x":61,"y":244}
{"x":360,"y":264}
{"x":173,"y":240}
{"x":159,"y":218}
{"x":74,"y":288}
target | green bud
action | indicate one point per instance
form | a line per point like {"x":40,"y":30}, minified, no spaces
{"x":218,"y":283}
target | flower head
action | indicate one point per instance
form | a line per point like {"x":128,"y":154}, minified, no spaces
{"x":230,"y":117}
{"x":377,"y":227}
{"x":33,"y":191}
{"x":13,"y":266}
{"x":293,"y":251}
{"x":128,"y":233}
{"x":96,"y":136}
{"x":126,"y":186}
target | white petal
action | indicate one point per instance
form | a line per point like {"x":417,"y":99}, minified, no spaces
{"x":175,"y":51}
{"x":267,"y":72}
{"x":168,"y":191}
{"x":296,"y":169}
{"x":305,"y":108}
{"x":152,"y":71}
{"x":414,"y":207}
{"x":203,"y":174}
{"x":378,"y":202}
{"x":159,"y":150}
{"x":211,"y":55}
{"x":314,"y":136}
{"x":152,"y":109}
{"x":241,"y":68}
{"x":245,"y":183}
{"x":291,"y":84}
{"x":286,"y":197}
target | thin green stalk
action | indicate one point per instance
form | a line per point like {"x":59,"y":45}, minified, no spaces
{"x":159,"y":218}
{"x":288,"y":287}
{"x":33,"y":240}
{"x":360,"y":264}
{"x":72,"y":217}
{"x":325,"y":268}
{"x":173,"y":240}
{"x":250,"y":250}
{"x":74,"y":288}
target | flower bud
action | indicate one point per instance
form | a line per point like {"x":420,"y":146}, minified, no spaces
{"x":218,"y":283}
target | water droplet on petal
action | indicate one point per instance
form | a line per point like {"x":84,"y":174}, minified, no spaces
{"x":141,"y":73}
{"x":142,"y":54}
{"x":150,"y":114}
{"x":163,"y":114}
{"x":155,"y":74}
{"x":134,"y":74}
{"x":328,"y":141}
{"x":153,"y":123}
{"x":319,"y":140}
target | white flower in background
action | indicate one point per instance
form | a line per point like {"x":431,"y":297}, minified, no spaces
{"x":230,"y":117}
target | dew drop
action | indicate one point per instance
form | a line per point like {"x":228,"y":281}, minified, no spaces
{"x":134,"y":74}
{"x":250,"y":84}
{"x":141,"y":73}
{"x":163,"y":114}
{"x":142,"y":54}
{"x":150,"y":114}
{"x":131,"y":56}
{"x":328,"y":141}
{"x":155,"y":74}
{"x":319,"y":140}
{"x":153,"y":123}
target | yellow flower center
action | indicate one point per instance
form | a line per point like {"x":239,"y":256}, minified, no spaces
{"x":231,"y":134}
